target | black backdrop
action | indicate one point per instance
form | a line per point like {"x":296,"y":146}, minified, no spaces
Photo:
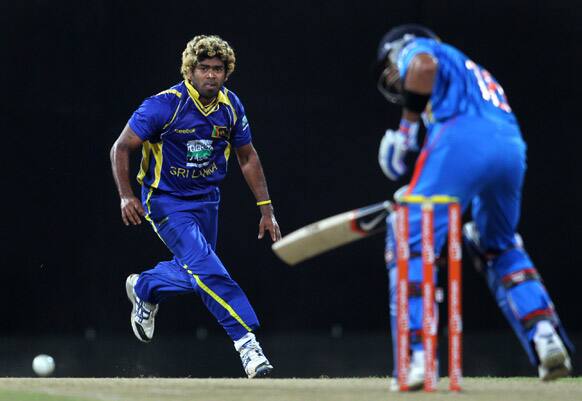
{"x":73,"y":73}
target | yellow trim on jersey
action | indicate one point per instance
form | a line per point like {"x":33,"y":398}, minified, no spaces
{"x":223,"y":98}
{"x":174,"y":91}
{"x":213,"y":106}
{"x":172,"y":119}
{"x":148,"y":147}
{"x":217,"y":298}
{"x":145,"y":161}
{"x":195,"y":96}
{"x":159,"y":158}
{"x":227,"y":151}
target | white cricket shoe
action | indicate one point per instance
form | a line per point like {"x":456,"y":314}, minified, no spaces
{"x":415,"y":379}
{"x":143,"y":313}
{"x":253,"y":360}
{"x":562,"y":370}
{"x":553,"y":356}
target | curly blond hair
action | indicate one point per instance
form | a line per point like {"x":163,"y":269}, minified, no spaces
{"x":203,"y":47}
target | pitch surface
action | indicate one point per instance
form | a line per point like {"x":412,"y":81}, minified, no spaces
{"x":348,"y":389}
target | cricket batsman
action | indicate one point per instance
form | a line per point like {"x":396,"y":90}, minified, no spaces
{"x":474,"y":151}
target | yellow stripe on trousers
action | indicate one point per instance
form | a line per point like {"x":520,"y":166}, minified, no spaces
{"x":148,"y":218}
{"x":215,"y":296}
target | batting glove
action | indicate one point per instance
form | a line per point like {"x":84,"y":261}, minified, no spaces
{"x":391,"y":154}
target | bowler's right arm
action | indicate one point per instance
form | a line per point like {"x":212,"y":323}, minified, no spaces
{"x":131,"y":207}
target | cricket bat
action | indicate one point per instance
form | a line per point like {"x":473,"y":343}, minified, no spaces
{"x":332,"y":232}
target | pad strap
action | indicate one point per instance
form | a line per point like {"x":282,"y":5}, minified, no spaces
{"x":532,"y":318}
{"x":516,"y":278}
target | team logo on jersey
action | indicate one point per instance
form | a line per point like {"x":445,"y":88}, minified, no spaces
{"x":199,"y":152}
{"x":245,"y":123}
{"x":220,"y":132}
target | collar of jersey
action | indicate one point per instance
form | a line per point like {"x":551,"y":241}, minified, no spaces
{"x":210,"y":107}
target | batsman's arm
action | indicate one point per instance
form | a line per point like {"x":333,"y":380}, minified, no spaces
{"x":417,"y":89}
{"x":418,"y":84}
{"x":251,"y":167}
{"x":131,"y":207}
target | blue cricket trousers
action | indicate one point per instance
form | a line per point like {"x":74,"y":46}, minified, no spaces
{"x":188,"y":227}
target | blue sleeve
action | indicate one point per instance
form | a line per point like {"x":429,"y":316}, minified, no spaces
{"x":408,"y":53}
{"x":151,"y":116}
{"x":241,"y":133}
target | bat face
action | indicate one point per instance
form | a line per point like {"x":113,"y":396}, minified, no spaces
{"x":332,"y":232}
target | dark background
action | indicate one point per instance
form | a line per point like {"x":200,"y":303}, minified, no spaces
{"x":74,"y":72}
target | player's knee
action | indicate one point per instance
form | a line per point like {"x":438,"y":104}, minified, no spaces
{"x":498,"y":259}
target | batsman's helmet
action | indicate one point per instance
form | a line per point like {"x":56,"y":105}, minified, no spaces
{"x":389,"y":48}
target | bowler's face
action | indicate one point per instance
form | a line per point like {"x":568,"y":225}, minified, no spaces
{"x":208,"y":77}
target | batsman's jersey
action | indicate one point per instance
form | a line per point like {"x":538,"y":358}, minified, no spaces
{"x":187,"y":144}
{"x":461,"y":86}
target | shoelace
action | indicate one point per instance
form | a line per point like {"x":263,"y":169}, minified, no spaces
{"x":142,"y":313}
{"x":250,"y":348}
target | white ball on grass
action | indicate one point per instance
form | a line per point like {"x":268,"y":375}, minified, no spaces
{"x":43,"y":365}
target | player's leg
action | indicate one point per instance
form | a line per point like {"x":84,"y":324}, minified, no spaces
{"x":196,"y":268}
{"x":445,"y":167}
{"x":146,"y":290}
{"x":185,"y":234}
{"x":416,"y":370}
{"x":187,"y":239}
{"x":415,"y":279}
{"x":189,"y":229}
{"x":511,"y":275}
{"x":414,"y":305}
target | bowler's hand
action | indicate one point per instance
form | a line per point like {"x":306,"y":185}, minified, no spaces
{"x":269,"y":223}
{"x":131,"y":210}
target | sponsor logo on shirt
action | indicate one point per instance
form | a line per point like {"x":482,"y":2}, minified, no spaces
{"x":199,"y":152}
{"x":195,"y":173}
{"x":185,"y":131}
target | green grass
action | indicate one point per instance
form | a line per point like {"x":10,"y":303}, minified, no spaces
{"x":357,"y":389}
{"x":35,"y":396}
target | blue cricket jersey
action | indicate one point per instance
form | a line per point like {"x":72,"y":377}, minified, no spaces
{"x":186,"y":144}
{"x":461,"y":86}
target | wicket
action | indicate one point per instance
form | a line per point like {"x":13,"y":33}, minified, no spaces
{"x":429,"y":321}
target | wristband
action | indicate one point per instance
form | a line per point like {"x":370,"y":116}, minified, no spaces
{"x":415,"y":101}
{"x":410,"y":130}
{"x":265,"y":202}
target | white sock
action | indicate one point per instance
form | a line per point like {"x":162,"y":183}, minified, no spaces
{"x":544,"y":327}
{"x":418,"y":356}
{"x":243,"y":340}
